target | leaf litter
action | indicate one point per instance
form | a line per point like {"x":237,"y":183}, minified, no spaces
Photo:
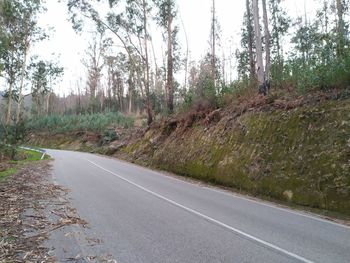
{"x":25,"y":224}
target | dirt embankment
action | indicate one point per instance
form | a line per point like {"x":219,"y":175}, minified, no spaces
{"x":293,"y":151}
{"x":300,"y":155}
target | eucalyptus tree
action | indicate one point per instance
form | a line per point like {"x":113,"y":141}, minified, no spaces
{"x":29,"y":34}
{"x":166,"y":14}
{"x":94,"y":63}
{"x":128,"y":21}
{"x":213,"y":43}
{"x":341,"y":7}
{"x":250,"y":33}
{"x":259,"y":55}
{"x":43,"y":75}
{"x":246,"y":54}
{"x":10,"y":39}
{"x":280,"y":24}
{"x":19,"y":31}
{"x":117,"y":67}
{"x":267,"y":37}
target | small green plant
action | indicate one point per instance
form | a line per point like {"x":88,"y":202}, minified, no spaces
{"x":7,"y":173}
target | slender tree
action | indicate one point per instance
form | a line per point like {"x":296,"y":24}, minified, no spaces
{"x":267,"y":42}
{"x":165,"y":18}
{"x":147,"y":73}
{"x":213,"y":44}
{"x":259,"y":55}
{"x":94,"y":63}
{"x":30,"y":33}
{"x":340,"y":28}
{"x":250,"y":40}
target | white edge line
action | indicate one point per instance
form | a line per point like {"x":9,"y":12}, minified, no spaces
{"x":265,"y":243}
{"x":237,"y":195}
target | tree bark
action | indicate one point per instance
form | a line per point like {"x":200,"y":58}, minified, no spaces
{"x":20,"y":98}
{"x":148,"y":100}
{"x":187,"y":53}
{"x":267,"y":42}
{"x":340,"y":29}
{"x":169,"y":83}
{"x":250,"y":41}
{"x":259,"y":57}
{"x":213,"y":55}
{"x":8,"y":116}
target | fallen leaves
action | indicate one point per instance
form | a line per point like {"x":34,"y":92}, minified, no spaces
{"x":24,"y":225}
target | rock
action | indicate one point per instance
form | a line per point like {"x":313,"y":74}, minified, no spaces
{"x":288,"y":195}
{"x":112,"y":149}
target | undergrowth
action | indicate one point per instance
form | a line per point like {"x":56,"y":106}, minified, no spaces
{"x":89,"y":122}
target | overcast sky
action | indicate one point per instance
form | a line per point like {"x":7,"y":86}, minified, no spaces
{"x":69,"y":47}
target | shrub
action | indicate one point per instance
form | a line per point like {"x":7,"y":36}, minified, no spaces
{"x":98,"y":122}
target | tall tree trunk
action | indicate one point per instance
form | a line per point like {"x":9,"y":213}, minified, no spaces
{"x":148,"y":99}
{"x":48,"y":103}
{"x":250,"y":41}
{"x":259,"y":57}
{"x":8,"y":116}
{"x":130,"y":90}
{"x":267,"y":42}
{"x":20,"y":98}
{"x":187,"y":53}
{"x":340,"y":29}
{"x":213,"y":55}
{"x":169,"y":83}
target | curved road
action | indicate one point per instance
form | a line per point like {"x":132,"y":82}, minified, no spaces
{"x":146,"y":216}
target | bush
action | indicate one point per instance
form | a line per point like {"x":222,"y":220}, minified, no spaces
{"x":10,"y":137}
{"x":98,"y":122}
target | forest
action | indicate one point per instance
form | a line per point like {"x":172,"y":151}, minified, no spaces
{"x":131,"y":91}
{"x":175,"y":131}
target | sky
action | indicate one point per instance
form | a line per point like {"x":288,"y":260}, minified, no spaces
{"x":68,"y":47}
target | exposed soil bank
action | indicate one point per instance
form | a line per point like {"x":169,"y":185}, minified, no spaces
{"x":301,"y":155}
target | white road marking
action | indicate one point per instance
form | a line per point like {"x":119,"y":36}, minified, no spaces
{"x":237,"y":195}
{"x":210,"y":219}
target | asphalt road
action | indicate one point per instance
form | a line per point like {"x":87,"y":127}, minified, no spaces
{"x":146,"y":216}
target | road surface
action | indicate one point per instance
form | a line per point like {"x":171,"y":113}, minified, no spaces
{"x":146,"y":216}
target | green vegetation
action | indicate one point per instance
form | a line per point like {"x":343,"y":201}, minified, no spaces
{"x":7,"y":173}
{"x":300,"y":156}
{"x":21,"y":157}
{"x":98,"y":122}
{"x":28,"y":156}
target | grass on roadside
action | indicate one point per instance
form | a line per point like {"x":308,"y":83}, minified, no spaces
{"x":7,"y":173}
{"x":30,"y":156}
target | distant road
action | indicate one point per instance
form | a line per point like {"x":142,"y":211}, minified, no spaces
{"x":146,"y":216}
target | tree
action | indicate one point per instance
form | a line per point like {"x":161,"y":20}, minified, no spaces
{"x":130,"y":23}
{"x":246,"y":54}
{"x":213,"y":44}
{"x":147,"y":80}
{"x":94,"y":63}
{"x":43,"y":76}
{"x":29,"y":33}
{"x":117,"y":67}
{"x":11,"y":65}
{"x":19,"y":30}
{"x":250,"y":32}
{"x":259,"y":56}
{"x":280,"y":23}
{"x":340,"y":28}
{"x":267,"y":43}
{"x":165,"y":17}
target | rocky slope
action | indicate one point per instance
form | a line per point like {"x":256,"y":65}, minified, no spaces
{"x":300,"y":155}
